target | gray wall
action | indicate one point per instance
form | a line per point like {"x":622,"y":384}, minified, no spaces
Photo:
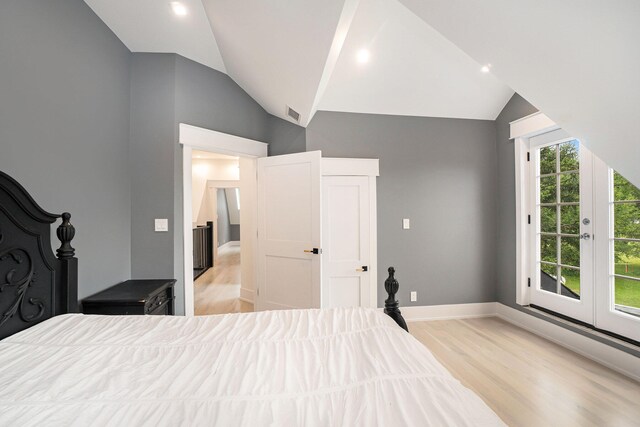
{"x":440,"y":173}
{"x":64,"y":126}
{"x":166,"y":90}
{"x":224,"y":226}
{"x":234,"y":232}
{"x":285,"y":137}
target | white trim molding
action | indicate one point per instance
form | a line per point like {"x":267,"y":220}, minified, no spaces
{"x":448,"y":311}
{"x":247,"y":295}
{"x":210,"y":140}
{"x":611,"y":357}
{"x":533,"y":124}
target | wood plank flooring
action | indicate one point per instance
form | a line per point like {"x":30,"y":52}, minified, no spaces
{"x":217,"y":291}
{"x":527,"y":380}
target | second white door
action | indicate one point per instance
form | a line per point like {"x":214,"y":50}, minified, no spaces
{"x":346,"y":222}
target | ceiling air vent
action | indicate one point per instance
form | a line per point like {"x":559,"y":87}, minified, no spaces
{"x":293,"y":114}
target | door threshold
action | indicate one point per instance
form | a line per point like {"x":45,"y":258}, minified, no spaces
{"x":588,"y":329}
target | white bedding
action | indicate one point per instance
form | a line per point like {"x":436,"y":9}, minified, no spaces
{"x":341,"y":367}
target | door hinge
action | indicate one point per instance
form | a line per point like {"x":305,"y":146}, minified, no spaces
{"x":529,"y":219}
{"x":529,"y":282}
{"x":528,"y":156}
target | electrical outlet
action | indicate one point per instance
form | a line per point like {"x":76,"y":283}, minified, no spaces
{"x":406,"y":224}
{"x":414,"y":296}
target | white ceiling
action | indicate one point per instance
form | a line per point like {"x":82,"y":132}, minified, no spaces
{"x":276,"y":49}
{"x":576,"y":60}
{"x":301,"y":54}
{"x":412,"y":70}
{"x":151,"y":26}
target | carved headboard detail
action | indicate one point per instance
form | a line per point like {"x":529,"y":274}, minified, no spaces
{"x":35,"y":284}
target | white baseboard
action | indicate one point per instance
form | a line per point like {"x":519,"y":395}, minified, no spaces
{"x":229,"y":243}
{"x":247,"y":295}
{"x":448,"y":311}
{"x":604,"y":354}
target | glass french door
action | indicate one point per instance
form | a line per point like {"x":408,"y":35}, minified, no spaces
{"x":584,"y":237}
{"x":562,"y":276}
{"x":617,"y":253}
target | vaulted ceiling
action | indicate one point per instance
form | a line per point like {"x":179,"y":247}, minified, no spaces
{"x":576,"y":60}
{"x":304,"y":54}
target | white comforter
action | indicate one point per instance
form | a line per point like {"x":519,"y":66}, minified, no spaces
{"x":342,"y":367}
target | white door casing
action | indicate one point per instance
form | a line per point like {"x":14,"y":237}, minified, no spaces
{"x":289,"y":228}
{"x":196,"y":138}
{"x":346,"y":238}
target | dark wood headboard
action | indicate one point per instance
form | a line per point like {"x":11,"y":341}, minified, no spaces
{"x":35,"y":284}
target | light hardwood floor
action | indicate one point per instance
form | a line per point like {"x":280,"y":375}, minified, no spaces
{"x":217,"y":291}
{"x":527,"y":380}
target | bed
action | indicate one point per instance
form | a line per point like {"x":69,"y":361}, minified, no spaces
{"x":348,"y":366}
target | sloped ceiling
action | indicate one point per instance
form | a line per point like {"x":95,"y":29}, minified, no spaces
{"x":576,"y":60}
{"x":412,"y":70}
{"x":302,"y":54}
{"x":151,"y":26}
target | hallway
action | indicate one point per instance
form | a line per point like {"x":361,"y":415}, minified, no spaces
{"x":217,"y":291}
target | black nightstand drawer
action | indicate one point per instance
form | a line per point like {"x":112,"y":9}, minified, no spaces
{"x":133,"y":297}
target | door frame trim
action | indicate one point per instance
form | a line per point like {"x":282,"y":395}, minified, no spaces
{"x":521,"y":130}
{"x":197,"y":138}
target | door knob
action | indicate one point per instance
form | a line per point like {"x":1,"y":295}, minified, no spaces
{"x":363,"y":269}
{"x":585,"y":236}
{"x":314,"y":251}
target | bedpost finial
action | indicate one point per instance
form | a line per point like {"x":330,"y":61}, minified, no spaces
{"x":391,"y":285}
{"x":66,"y":232}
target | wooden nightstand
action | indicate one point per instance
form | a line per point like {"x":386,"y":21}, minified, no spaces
{"x":152,"y":296}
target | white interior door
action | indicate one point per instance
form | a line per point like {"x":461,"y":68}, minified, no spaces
{"x":289,"y":209}
{"x":346,"y":219}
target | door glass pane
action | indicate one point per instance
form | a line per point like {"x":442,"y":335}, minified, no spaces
{"x":626,"y":245}
{"x":548,"y":160}
{"x":549,"y":277}
{"x":570,"y":280}
{"x":569,"y":187}
{"x":569,"y":156}
{"x":548,"y":189}
{"x":559,"y":216}
{"x":627,"y":258}
{"x":623,"y":189}
{"x":548,"y":249}
{"x":627,"y":220}
{"x":627,"y":296}
{"x":548,"y":219}
{"x":570,"y":219}
{"x":570,"y":251}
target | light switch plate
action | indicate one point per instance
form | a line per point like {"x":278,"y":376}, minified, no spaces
{"x":406,"y":224}
{"x":162,"y":224}
{"x":414,"y":296}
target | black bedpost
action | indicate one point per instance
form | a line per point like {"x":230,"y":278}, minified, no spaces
{"x":69,"y":263}
{"x":391,"y":285}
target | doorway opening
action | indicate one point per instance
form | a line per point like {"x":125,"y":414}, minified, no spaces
{"x":208,"y":242}
{"x":216,"y":233}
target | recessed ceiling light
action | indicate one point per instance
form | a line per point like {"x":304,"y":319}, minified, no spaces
{"x":363,"y":56}
{"x":486,"y":68}
{"x":178,"y":8}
